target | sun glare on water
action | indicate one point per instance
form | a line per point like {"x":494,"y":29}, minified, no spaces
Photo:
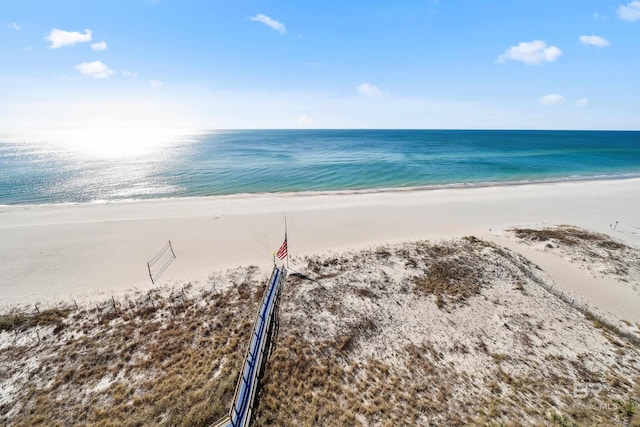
{"x":114,"y":143}
{"x":97,"y":165}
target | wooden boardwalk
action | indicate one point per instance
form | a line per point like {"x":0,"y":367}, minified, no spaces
{"x":243,"y":399}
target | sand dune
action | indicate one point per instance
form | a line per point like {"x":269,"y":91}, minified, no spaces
{"x":446,"y":332}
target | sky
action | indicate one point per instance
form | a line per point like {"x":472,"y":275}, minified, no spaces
{"x":210,"y":64}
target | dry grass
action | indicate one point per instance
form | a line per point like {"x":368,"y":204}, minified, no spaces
{"x":569,"y":236}
{"x":172,"y":360}
{"x":452,"y":276}
{"x":310,"y":384}
{"x":447,"y":333}
{"x":344,"y":368}
{"x":17,"y":320}
{"x":323,"y":390}
{"x":586,"y":247}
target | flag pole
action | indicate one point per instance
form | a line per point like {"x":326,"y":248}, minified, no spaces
{"x":285,"y":239}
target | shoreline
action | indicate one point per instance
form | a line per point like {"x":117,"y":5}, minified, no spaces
{"x":58,"y":252}
{"x":349,"y":192}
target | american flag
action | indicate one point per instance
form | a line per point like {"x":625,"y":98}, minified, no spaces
{"x":282,"y":252}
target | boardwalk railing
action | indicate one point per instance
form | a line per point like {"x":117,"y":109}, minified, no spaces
{"x":242,"y":405}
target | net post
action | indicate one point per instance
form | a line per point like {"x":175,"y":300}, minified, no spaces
{"x":150,"y":275}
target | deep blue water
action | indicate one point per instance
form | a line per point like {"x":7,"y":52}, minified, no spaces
{"x":36,"y":171}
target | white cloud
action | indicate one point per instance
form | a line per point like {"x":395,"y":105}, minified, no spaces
{"x":369,"y":90}
{"x":156,"y":84}
{"x":552,"y":99}
{"x":630,"y":12}
{"x":594,"y":41}
{"x":60,"y":38}
{"x":305,"y":121}
{"x":129,"y":73}
{"x":582,"y":103}
{"x":96,"y":69}
{"x":99,"y":46}
{"x":15,"y":26}
{"x":533,"y":52}
{"x":272,"y":23}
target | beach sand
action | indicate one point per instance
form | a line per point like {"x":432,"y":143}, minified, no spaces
{"x":92,"y":251}
{"x":390,"y":314}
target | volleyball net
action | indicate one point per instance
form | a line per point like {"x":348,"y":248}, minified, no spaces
{"x":160,"y":262}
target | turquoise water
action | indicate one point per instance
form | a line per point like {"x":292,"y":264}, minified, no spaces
{"x":36,"y":171}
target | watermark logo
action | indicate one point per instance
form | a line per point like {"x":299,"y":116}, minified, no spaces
{"x":585,"y":390}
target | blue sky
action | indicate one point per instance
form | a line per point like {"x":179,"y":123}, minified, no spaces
{"x":544,"y":64}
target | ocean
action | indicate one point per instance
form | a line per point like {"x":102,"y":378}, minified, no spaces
{"x":102,"y":167}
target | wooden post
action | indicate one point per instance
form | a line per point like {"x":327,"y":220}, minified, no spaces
{"x":171,"y":247}
{"x":75,"y":303}
{"x":150,"y":275}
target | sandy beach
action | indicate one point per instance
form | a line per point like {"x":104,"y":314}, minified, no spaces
{"x":91,"y":251}
{"x":448,"y":306}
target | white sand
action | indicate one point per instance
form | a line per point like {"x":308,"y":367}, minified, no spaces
{"x":59,"y":252}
